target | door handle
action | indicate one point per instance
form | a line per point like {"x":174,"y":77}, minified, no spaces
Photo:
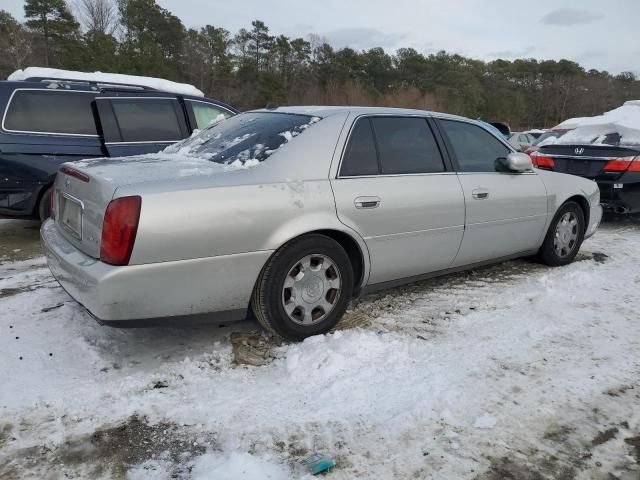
{"x":480,"y":193}
{"x":367,"y":202}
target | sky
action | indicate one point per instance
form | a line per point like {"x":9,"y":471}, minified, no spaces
{"x":594,"y":33}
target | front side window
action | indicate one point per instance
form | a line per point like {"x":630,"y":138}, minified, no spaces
{"x":475,"y":149}
{"x":147,"y":119}
{"x":360,"y":156}
{"x":51,"y":111}
{"x":207,"y":113}
{"x":249,"y":136}
{"x":406,"y":145}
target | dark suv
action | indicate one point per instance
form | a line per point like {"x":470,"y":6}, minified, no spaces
{"x":48,"y":122}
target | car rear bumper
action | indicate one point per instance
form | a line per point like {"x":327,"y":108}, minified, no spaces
{"x":595,"y":217}
{"x":620,"y":197}
{"x":112,"y":294}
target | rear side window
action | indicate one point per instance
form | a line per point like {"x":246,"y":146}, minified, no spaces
{"x":406,"y":145}
{"x":51,"y":111}
{"x":360,"y":156}
{"x":147,"y":119}
{"x":207,"y":113}
{"x":251,"y":136}
{"x":475,"y":149}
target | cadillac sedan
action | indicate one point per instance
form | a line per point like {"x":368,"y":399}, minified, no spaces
{"x":287,"y":214}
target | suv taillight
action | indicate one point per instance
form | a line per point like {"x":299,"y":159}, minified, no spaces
{"x":119,"y":230}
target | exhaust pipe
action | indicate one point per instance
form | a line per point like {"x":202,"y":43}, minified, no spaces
{"x":621,"y":210}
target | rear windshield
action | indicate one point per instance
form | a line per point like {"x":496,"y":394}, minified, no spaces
{"x":547,"y":135}
{"x":251,"y":136}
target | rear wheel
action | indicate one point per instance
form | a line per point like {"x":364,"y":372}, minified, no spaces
{"x":564,"y":237}
{"x":304,"y":289}
{"x":44,"y":207}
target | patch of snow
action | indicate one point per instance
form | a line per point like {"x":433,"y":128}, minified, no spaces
{"x":624,"y":121}
{"x":288,"y":136}
{"x":429,"y":360}
{"x":102,"y":77}
{"x":570,"y":123}
{"x":237,"y":466}
{"x":217,"y":119}
{"x":485,"y":421}
{"x":548,"y":141}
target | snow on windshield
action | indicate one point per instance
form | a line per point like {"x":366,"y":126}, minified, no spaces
{"x":243,"y":140}
{"x":620,"y":126}
{"x":151,"y":82}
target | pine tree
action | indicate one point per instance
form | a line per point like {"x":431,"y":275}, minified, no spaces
{"x":54,"y":22}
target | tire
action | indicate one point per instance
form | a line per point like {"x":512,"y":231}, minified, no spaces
{"x":294,"y":301}
{"x":44,"y":206}
{"x":570,"y":236}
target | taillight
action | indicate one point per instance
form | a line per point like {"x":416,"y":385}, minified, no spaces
{"x":625,"y":164}
{"x":72,"y":172}
{"x":119,"y":230}
{"x":542,"y":161}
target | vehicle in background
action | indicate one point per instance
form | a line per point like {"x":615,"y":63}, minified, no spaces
{"x":535,"y":132}
{"x":54,"y":116}
{"x":543,"y":139}
{"x":290,"y":212}
{"x":521,"y":141}
{"x":605,"y":149}
{"x":498,"y":128}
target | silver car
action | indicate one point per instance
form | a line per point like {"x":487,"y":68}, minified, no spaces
{"x":287,"y":214}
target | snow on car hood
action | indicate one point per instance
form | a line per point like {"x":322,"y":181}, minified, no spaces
{"x":623,"y":121}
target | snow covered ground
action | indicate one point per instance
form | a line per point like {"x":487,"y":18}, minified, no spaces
{"x":513,"y":371}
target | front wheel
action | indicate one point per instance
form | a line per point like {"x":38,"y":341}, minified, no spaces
{"x":564,"y":237}
{"x":304,"y":289}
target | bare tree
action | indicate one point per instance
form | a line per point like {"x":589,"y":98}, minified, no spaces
{"x":98,"y":16}
{"x":315,"y":41}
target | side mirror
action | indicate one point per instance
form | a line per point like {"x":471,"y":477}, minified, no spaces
{"x":518,"y":162}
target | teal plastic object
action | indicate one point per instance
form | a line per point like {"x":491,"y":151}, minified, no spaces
{"x":318,"y":463}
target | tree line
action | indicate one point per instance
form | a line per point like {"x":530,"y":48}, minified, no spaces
{"x":254,"y":67}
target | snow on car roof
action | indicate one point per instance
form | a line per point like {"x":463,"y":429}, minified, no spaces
{"x":623,"y":121}
{"x":102,"y":77}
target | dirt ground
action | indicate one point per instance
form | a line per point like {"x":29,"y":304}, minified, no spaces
{"x":19,"y":240}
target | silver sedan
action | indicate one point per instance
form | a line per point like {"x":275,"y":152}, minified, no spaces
{"x":287,"y":214}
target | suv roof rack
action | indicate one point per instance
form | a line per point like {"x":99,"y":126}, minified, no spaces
{"x":91,"y":83}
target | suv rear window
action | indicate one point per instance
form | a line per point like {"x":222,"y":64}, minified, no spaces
{"x":147,"y":119}
{"x":51,"y":111}
{"x":249,"y":136}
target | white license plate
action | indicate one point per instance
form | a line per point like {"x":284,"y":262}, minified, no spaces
{"x":71,"y":216}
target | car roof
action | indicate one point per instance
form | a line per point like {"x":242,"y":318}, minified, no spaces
{"x":325,"y":111}
{"x":115,"y":89}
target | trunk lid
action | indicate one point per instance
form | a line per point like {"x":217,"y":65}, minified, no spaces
{"x":587,"y":161}
{"x":84,"y":189}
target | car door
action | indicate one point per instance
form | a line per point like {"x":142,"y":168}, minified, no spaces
{"x":146,"y":124}
{"x":505,"y":211}
{"x":395,"y":189}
